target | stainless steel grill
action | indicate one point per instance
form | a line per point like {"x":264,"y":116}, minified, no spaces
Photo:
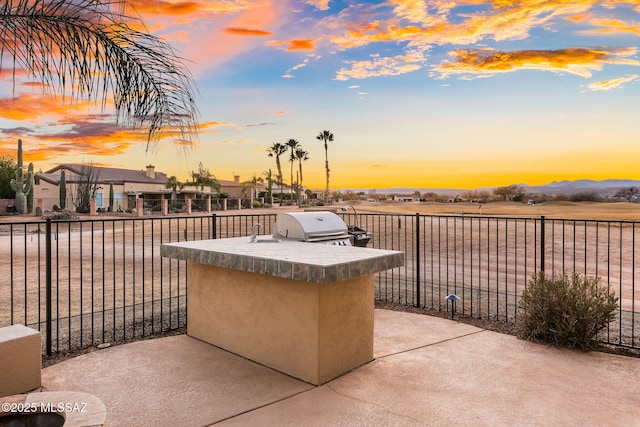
{"x":320,"y":227}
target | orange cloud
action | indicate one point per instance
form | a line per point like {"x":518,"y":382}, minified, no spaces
{"x":8,"y":73}
{"x":578,"y":61}
{"x":505,"y":20}
{"x":412,"y":10}
{"x":214,"y":125}
{"x":47,"y":147}
{"x":174,"y":8}
{"x":32,"y":108}
{"x":297,"y":44}
{"x":614,"y":83}
{"x":71,"y":132}
{"x":246,"y":32}
{"x":613,"y":26}
{"x":579,"y":18}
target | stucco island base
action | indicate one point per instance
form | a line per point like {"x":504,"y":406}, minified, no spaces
{"x":311,"y":331}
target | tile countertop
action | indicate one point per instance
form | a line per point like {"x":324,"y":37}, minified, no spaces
{"x":310,"y":262}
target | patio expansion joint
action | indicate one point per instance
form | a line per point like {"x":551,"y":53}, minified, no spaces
{"x":432,"y":344}
{"x":311,"y":387}
{"x":366,"y":402}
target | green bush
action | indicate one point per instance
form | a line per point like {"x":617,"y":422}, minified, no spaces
{"x":565,"y":310}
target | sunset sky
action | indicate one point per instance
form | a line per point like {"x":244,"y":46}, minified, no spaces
{"x":437,"y":93}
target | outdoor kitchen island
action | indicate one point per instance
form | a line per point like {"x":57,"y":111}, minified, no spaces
{"x":301,"y":308}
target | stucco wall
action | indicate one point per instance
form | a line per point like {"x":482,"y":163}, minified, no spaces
{"x":310,"y":331}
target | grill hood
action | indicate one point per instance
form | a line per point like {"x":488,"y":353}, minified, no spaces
{"x":311,"y":226}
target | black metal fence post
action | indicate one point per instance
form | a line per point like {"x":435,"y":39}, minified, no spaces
{"x":48,"y":286}
{"x":542,"y":240}
{"x":214,"y":226}
{"x":417,"y":261}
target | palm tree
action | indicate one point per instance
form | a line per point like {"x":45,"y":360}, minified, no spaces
{"x":293,"y":144}
{"x":87,"y":50}
{"x":301,"y":156}
{"x":326,"y":136}
{"x":250,"y":186}
{"x":204,"y":178}
{"x":268,"y":177}
{"x":174,"y":185}
{"x":276,"y":150}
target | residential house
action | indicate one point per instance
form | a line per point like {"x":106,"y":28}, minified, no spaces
{"x":405,"y":198}
{"x":128,"y":186}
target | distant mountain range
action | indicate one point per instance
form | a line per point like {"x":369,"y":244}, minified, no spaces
{"x":603,"y":188}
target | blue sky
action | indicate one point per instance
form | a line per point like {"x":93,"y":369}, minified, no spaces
{"x":452,"y":94}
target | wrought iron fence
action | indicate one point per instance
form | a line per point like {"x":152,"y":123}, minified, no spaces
{"x":87,"y":282}
{"x":488,"y":261}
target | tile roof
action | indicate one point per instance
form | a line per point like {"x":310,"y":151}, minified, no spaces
{"x":107,"y":175}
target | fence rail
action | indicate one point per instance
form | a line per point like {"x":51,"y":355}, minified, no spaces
{"x":86,"y":282}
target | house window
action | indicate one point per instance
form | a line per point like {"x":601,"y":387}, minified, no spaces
{"x":98,"y":200}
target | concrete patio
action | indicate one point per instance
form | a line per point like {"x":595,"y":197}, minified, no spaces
{"x":427,"y":371}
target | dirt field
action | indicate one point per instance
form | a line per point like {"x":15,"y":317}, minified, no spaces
{"x":568,"y":210}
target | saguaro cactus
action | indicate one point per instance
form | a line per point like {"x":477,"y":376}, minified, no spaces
{"x":111,"y":197}
{"x":29,"y":194}
{"x":21,"y":184}
{"x":63,"y":190}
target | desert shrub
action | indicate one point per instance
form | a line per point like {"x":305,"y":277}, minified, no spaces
{"x":565,"y":310}
{"x":60,"y":214}
{"x":585,"y":196}
{"x":156,"y":208}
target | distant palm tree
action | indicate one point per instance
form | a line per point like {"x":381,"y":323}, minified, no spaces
{"x":276,"y":150}
{"x":326,"y":136}
{"x":301,"y":156}
{"x":174,"y":185}
{"x":89,"y":50}
{"x":250,"y":185}
{"x":268,"y":177}
{"x":204,"y":178}
{"x":293,"y":144}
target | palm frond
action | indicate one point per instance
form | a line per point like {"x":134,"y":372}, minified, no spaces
{"x":89,"y":50}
